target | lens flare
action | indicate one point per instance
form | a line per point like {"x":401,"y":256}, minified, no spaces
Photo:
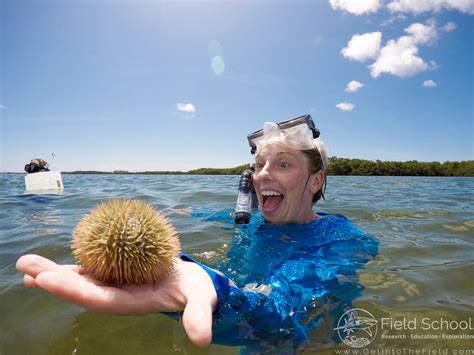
{"x":217,"y":65}
{"x":215,"y":49}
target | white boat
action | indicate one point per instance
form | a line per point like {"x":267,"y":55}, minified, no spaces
{"x":44,"y":182}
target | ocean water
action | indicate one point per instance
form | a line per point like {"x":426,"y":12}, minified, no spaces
{"x":422,"y":277}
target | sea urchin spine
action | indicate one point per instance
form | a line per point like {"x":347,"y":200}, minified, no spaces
{"x":126,"y":242}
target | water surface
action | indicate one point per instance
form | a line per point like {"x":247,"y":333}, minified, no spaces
{"x":424,"y":268}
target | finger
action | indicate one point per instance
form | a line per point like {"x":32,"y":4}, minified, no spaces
{"x":79,"y":290}
{"x":197,"y":321}
{"x":34,"y":264}
{"x":79,"y":270}
{"x":76,"y":268}
{"x":29,"y":281}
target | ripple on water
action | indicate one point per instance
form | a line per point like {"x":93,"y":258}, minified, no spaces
{"x":424,"y":225}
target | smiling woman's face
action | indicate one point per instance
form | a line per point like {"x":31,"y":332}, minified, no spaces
{"x":284,"y":186}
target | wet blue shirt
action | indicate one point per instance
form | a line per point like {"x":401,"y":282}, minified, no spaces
{"x":286,"y":279}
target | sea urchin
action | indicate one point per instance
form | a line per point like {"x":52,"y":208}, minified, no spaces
{"x":125,"y":242}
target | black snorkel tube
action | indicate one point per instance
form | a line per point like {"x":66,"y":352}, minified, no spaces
{"x":246,"y":199}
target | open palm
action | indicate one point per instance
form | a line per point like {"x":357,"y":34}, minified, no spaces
{"x":188,"y":288}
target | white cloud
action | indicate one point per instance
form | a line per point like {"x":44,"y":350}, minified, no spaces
{"x":418,"y":6}
{"x":429,"y":84}
{"x":1,"y":106}
{"x":393,"y":19}
{"x":422,"y":33}
{"x":189,"y":108}
{"x":356,"y":7}
{"x":345,"y":106}
{"x":400,"y":57}
{"x":450,"y":26}
{"x":362,"y":47}
{"x":353,"y":86}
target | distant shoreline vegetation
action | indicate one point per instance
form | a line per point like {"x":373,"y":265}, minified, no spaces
{"x":338,"y":166}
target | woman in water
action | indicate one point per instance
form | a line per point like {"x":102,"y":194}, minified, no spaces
{"x":298,"y":268}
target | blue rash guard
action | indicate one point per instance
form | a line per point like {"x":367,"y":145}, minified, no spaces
{"x":281,"y":280}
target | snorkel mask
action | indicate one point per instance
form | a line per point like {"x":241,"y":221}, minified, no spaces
{"x":298,"y":133}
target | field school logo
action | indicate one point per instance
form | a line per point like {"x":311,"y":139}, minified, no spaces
{"x":357,"y":328}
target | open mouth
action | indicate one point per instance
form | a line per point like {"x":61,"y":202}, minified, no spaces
{"x":271,"y":200}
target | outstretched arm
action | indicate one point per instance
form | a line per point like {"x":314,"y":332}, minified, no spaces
{"x":188,"y":288}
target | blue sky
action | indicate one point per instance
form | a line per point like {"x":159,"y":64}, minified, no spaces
{"x":154,"y":85}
